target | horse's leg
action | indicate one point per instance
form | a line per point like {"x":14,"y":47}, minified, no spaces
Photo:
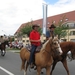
{"x":53,"y":66}
{"x":25,"y":72}
{"x":48,"y":70}
{"x":65,"y":66}
{"x":23,"y":66}
{"x":38,"y":70}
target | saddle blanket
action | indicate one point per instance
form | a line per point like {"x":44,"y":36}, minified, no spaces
{"x":37,"y":49}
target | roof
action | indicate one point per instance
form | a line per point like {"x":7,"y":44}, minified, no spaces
{"x":68,"y":16}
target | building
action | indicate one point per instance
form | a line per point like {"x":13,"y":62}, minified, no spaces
{"x":69,"y":19}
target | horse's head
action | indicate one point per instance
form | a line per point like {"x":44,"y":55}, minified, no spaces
{"x":54,"y":42}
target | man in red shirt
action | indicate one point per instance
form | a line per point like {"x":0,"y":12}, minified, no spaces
{"x":35,"y":42}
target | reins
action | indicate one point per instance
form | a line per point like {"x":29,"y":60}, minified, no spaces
{"x":48,"y":52}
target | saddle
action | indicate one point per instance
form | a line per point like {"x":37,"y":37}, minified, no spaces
{"x":37,"y":49}
{"x":28,"y":47}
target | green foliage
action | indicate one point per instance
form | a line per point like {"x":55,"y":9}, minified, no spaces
{"x":61,"y":31}
{"x":27,"y":29}
{"x":40,"y":30}
{"x":61,"y":28}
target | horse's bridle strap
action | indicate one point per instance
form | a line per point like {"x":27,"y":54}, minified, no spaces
{"x":48,"y":52}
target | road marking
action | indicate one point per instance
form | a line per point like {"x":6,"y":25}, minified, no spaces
{"x":6,"y":71}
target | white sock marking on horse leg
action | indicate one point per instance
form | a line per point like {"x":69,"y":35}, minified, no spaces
{"x":24,"y":72}
{"x":60,"y":50}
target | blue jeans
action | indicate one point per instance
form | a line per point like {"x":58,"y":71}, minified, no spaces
{"x":33,"y":49}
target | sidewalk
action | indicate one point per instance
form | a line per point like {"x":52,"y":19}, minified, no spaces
{"x":15,"y":51}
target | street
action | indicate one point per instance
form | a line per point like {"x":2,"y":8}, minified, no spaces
{"x":10,"y":65}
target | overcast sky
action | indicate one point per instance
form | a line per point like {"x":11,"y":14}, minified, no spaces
{"x":13,"y":13}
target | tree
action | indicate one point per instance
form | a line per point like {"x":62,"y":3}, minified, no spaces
{"x":28,"y":28}
{"x":61,"y":31}
{"x":61,"y":28}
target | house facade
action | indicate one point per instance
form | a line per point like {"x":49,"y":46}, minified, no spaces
{"x":69,"y":20}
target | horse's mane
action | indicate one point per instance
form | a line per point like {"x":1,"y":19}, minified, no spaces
{"x":44,"y":45}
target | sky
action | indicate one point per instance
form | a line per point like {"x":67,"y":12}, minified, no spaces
{"x":13,"y":13}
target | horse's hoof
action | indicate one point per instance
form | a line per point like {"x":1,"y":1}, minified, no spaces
{"x":31,"y":66}
{"x":41,"y":72}
{"x":35,"y":68}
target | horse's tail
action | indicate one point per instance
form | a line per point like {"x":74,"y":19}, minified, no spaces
{"x":26,"y":65}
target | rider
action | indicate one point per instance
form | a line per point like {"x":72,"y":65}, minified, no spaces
{"x":1,"y":39}
{"x":50,"y":31}
{"x":35,"y":42}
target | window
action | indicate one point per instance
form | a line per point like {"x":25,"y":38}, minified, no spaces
{"x":63,"y":40}
{"x":72,"y":33}
{"x":61,"y":20}
{"x":48,"y":23}
{"x":72,"y":40}
{"x":23,"y":40}
{"x":71,"y":25}
{"x":66,"y":19}
{"x":23,"y":36}
{"x":53,"y":21}
{"x":27,"y":40}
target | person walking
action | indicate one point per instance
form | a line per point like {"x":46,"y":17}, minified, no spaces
{"x":35,"y":42}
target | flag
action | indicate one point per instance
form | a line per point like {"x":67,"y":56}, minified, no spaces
{"x":44,"y":18}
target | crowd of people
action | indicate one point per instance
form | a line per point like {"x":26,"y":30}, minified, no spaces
{"x":13,"y":44}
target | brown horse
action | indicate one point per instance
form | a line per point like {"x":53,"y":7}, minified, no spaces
{"x":43,"y":59}
{"x":65,"y":46}
{"x":3,"y":47}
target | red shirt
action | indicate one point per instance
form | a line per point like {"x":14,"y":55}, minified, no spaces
{"x":34,"y":35}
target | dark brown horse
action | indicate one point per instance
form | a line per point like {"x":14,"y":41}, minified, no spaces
{"x":43,"y":59}
{"x":65,"y":46}
{"x":3,"y":47}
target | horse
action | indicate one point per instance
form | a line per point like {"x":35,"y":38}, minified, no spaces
{"x":43,"y":59}
{"x":66,"y":47}
{"x":3,"y":47}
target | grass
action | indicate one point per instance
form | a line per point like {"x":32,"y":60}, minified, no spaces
{"x":12,"y":49}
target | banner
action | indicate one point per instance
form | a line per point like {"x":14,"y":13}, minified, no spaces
{"x":44,"y":18}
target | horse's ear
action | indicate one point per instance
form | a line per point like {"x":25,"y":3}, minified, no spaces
{"x":52,"y":36}
{"x":57,"y":36}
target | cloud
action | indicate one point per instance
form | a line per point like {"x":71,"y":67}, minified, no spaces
{"x":61,"y":6}
{"x":15,"y":12}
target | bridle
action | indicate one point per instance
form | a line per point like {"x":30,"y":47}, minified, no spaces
{"x":48,"y":52}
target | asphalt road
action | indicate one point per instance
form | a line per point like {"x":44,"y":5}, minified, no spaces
{"x":10,"y":65}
